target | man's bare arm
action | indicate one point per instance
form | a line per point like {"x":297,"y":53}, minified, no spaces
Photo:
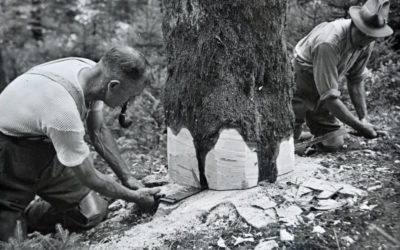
{"x":101,"y":183}
{"x":339,"y":110}
{"x":106,"y":146}
{"x":357,"y":96}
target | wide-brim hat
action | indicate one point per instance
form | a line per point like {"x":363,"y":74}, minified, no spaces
{"x":372,"y":18}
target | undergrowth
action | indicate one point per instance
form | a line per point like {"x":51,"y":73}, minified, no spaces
{"x":61,"y":240}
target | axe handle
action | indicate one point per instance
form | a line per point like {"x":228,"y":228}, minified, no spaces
{"x":303,"y":145}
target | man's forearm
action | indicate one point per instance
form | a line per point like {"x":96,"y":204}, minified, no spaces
{"x":106,"y":146}
{"x":358,"y":98}
{"x":103,"y":184}
{"x":339,"y":110}
{"x":111,"y":188}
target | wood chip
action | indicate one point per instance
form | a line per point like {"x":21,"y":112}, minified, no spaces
{"x":266,"y":245}
{"x":303,"y":190}
{"x":321,"y":185}
{"x":239,"y":240}
{"x":348,"y":239}
{"x":365,"y":206}
{"x":289,"y":214}
{"x":326,"y":195}
{"x":373,"y":188}
{"x":221,"y":243}
{"x":256,"y":217}
{"x":350,"y":190}
{"x":328,"y":204}
{"x":318,"y":230}
{"x":285,"y":235}
{"x":264,"y":203}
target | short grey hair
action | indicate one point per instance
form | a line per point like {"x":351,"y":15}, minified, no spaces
{"x":125,"y":62}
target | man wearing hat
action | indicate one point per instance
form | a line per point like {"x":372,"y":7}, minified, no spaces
{"x":332,"y":50}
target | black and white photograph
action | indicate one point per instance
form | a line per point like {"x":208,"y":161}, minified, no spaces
{"x":199,"y":124}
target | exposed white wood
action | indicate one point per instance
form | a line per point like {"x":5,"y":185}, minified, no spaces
{"x":231,"y":164}
{"x":285,"y":159}
{"x":182,"y":160}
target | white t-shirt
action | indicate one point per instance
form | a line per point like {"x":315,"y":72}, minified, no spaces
{"x":35,"y":105}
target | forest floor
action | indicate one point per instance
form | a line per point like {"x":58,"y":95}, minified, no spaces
{"x":361,"y":212}
{"x":368,"y":220}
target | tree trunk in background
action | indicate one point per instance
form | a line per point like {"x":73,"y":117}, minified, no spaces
{"x":36,"y":20}
{"x":228,"y":69}
{"x":3,"y":81}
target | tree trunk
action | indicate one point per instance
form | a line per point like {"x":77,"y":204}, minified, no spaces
{"x":36,"y":20}
{"x":3,"y":81}
{"x":228,"y":70}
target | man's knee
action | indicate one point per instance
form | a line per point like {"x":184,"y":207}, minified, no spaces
{"x":90,"y":211}
{"x":333,"y":144}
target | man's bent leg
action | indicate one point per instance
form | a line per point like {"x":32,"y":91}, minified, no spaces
{"x":321,"y":122}
{"x":299,"y":110}
{"x":20,"y":165}
{"x":8,"y":223}
{"x":302,"y":101}
{"x":43,"y":217}
{"x":65,"y":201}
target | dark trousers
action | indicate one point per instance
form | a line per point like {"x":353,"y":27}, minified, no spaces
{"x":308,"y":109}
{"x":29,"y":168}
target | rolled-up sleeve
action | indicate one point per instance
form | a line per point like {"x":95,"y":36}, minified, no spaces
{"x":357,"y":72}
{"x":325,"y":60}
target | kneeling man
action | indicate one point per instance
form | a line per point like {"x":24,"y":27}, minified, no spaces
{"x":42,"y":147}
{"x":330,"y":51}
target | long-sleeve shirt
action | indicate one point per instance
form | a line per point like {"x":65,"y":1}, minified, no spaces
{"x":328,"y":54}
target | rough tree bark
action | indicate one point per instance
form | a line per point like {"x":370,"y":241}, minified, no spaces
{"x":36,"y":20}
{"x":228,"y":68}
{"x":3,"y":82}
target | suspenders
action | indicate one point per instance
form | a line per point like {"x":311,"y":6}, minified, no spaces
{"x":74,"y":92}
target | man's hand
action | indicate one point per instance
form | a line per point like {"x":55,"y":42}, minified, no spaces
{"x":132,"y":183}
{"x":146,"y":199}
{"x":93,"y":179}
{"x":368,"y":130}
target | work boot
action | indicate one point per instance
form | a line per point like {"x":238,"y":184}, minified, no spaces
{"x":42,"y":216}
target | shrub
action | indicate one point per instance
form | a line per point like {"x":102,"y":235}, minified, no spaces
{"x":62,"y":240}
{"x":383,"y":86}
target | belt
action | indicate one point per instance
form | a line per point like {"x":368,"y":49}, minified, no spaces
{"x":33,"y":138}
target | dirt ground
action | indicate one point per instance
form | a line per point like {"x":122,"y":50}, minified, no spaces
{"x":369,"y":222}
